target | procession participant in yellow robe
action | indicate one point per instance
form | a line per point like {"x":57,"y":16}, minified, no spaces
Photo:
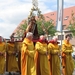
{"x":18,"y":49}
{"x":54,"y":59}
{"x":2,"y":56}
{"x":42,"y":60}
{"x":27,"y":56}
{"x":12,"y":65}
{"x":67,"y":60}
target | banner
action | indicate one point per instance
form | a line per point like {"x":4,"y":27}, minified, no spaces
{"x":59,"y":15}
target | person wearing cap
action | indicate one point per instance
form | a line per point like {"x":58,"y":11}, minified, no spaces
{"x":27,"y":56}
{"x":11,"y":62}
{"x":67,"y":60}
{"x":54,"y":49}
{"x":42,"y":65}
{"x":2,"y":56}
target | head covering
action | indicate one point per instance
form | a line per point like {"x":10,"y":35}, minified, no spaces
{"x":12,"y":36}
{"x":68,"y":35}
{"x":55,"y":37}
{"x":29,"y":34}
{"x":42,"y":37}
{"x":1,"y":38}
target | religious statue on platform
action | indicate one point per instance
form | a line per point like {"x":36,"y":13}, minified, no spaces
{"x":32,"y":27}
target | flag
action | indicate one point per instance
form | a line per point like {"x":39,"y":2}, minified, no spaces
{"x":59,"y":15}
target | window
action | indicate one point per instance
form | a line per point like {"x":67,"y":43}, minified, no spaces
{"x":47,"y":16}
{"x":52,"y":14}
{"x":63,"y":27}
{"x":66,"y":17}
{"x":60,"y":37}
{"x":50,"y":38}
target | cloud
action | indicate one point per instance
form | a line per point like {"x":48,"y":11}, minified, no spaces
{"x":12,"y":12}
{"x":6,"y":29}
{"x":69,"y":1}
{"x":15,"y":11}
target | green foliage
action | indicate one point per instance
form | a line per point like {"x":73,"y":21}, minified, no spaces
{"x":23,"y":27}
{"x":21,"y":30}
{"x":45,"y":27}
{"x":72,"y":23}
{"x":50,"y":28}
{"x":40,"y":30}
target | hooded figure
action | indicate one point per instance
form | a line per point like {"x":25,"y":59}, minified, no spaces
{"x":27,"y":56}
{"x":54,"y":50}
{"x":67,"y":60}
{"x":42,"y":65}
{"x":11,"y":62}
{"x":2,"y":56}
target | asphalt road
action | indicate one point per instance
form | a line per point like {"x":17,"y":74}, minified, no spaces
{"x":74,"y":72}
{"x":6,"y":73}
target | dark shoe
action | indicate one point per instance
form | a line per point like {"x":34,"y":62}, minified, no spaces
{"x":10,"y":73}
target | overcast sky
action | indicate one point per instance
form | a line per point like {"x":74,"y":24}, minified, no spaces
{"x":12,"y":12}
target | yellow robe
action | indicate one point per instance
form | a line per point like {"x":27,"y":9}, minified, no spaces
{"x":54,"y":59}
{"x":67,"y":58}
{"x":18,"y":50}
{"x":42,"y":63}
{"x":2,"y":58}
{"x":27,"y":60}
{"x":12,"y":64}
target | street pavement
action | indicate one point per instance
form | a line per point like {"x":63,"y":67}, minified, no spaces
{"x":6,"y":73}
{"x":74,"y":72}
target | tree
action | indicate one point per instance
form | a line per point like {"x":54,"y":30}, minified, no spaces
{"x":50,"y":29}
{"x":21,"y":30}
{"x":72,"y":23}
{"x":44,"y":27}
